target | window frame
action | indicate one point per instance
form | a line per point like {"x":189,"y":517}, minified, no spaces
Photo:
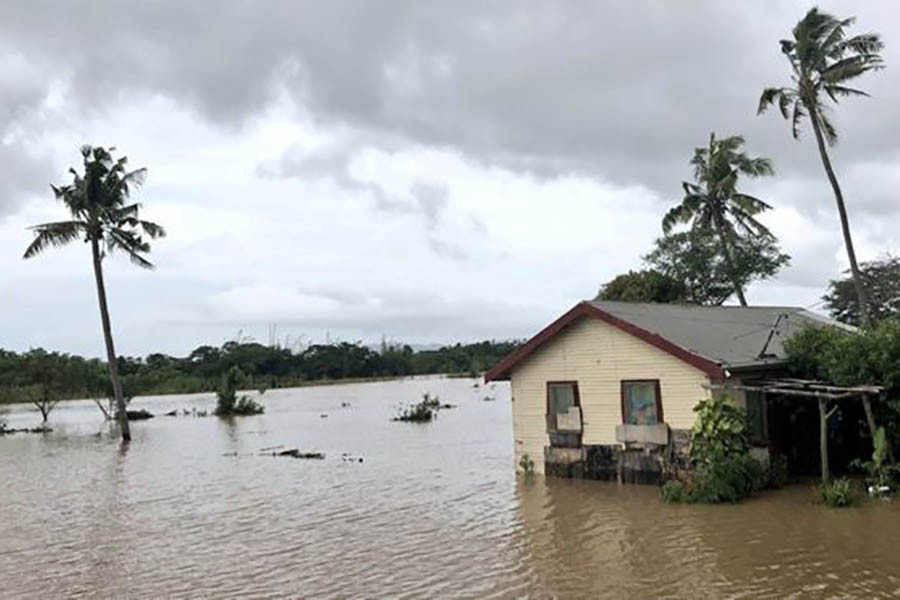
{"x":577,"y":399}
{"x":624,"y":383}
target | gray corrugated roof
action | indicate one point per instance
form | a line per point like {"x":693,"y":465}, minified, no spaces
{"x":734,"y":336}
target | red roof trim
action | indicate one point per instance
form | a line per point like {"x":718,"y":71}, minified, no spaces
{"x":502,"y":369}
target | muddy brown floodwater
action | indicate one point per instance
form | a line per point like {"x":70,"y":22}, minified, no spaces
{"x":191,"y":509}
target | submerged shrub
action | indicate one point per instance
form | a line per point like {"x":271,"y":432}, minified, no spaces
{"x":424,"y":411}
{"x":728,"y":480}
{"x":722,"y":469}
{"x":228,"y":403}
{"x":837,"y":493}
{"x":674,"y":492}
{"x":527,"y":466}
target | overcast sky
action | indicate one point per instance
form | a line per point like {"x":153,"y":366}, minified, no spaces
{"x":427,"y":171}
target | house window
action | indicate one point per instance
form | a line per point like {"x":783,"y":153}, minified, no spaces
{"x":756,"y":417}
{"x":561,"y":397}
{"x":641,"y":402}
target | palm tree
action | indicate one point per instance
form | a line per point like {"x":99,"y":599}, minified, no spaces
{"x":714,"y":204}
{"x":103,"y":217}
{"x":823,"y":59}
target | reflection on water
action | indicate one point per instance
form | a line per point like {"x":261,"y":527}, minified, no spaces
{"x":193,"y":509}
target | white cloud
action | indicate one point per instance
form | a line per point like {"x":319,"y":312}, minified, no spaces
{"x":457,"y":173}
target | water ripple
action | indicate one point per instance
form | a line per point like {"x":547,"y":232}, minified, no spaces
{"x":194,"y":509}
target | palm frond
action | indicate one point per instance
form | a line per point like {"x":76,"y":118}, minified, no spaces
{"x":848,"y":68}
{"x":154,"y":230}
{"x":866,"y":44}
{"x":834,"y":91}
{"x":55,"y":234}
{"x":828,"y":129}
{"x":131,"y":244}
{"x":796,"y":116}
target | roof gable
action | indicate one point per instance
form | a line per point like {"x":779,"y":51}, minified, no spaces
{"x":502,"y":369}
{"x":710,"y":338}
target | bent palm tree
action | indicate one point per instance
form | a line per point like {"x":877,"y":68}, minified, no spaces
{"x":102,"y":217}
{"x":714,"y":204}
{"x":823,"y":60}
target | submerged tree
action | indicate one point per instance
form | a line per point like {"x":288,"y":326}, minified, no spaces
{"x":881,"y":279}
{"x":823,"y":60}
{"x":713,"y":203}
{"x":98,"y":201}
{"x":694,"y":259}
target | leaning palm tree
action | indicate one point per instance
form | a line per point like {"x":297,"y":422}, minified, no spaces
{"x":102,"y":216}
{"x":823,"y":59}
{"x":713,"y":203}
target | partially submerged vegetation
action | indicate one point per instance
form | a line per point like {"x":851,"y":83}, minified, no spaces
{"x":526,"y":466}
{"x":837,"y":493}
{"x":423,"y":411}
{"x":6,"y":430}
{"x":228,"y":403}
{"x":722,"y":469}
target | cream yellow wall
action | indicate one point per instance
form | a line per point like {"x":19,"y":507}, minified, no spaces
{"x":598,"y":356}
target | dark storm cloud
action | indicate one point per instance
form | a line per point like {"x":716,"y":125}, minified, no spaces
{"x":620,"y":90}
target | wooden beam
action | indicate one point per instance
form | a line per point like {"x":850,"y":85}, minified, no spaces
{"x":823,"y":440}
{"x":780,"y":390}
{"x":818,"y":385}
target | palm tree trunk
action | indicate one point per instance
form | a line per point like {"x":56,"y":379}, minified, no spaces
{"x":729,"y":264}
{"x":845,"y":221}
{"x":110,"y":348}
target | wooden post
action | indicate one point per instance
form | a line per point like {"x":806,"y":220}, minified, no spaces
{"x":823,"y":440}
{"x":870,"y":419}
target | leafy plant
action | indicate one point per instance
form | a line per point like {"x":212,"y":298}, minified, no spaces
{"x":694,"y":259}
{"x":837,"y":493}
{"x":723,"y":470}
{"x":719,"y":430}
{"x":881,"y":476}
{"x":526,"y":464}
{"x":228,"y":403}
{"x":424,"y":411}
{"x":648,"y":285}
{"x":674,"y":492}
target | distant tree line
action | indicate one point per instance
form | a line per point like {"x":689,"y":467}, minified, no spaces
{"x":42,"y":376}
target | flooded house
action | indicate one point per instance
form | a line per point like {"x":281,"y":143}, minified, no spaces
{"x":607,"y":390}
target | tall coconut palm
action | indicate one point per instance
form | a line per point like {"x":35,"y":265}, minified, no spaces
{"x":103,"y":217}
{"x":713,"y":202}
{"x":823,"y":59}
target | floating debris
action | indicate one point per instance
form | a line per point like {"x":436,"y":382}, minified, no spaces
{"x":7,"y":430}
{"x":296,"y":453}
{"x":323,"y":416}
{"x":488,"y":399}
{"x":345,"y":405}
{"x":350,"y":458}
{"x":139,"y":415}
